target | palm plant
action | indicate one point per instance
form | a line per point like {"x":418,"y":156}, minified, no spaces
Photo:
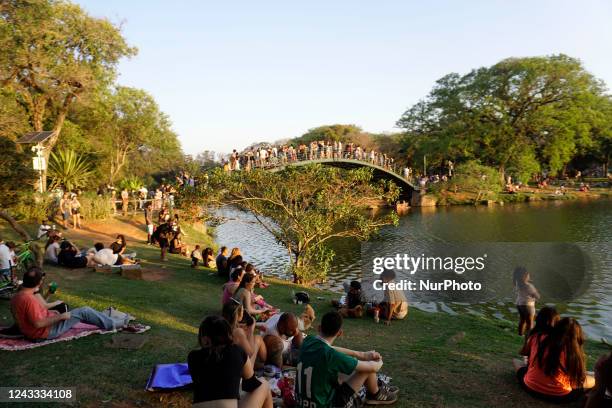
{"x":69,"y":170}
{"x":131,"y":183}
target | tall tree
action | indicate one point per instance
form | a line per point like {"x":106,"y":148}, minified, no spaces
{"x":53,"y":53}
{"x":128,"y":131}
{"x":303,"y":208}
{"x":539,"y":104}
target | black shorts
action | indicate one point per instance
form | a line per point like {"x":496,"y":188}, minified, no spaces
{"x":119,"y":260}
{"x":526,"y":311}
{"x":574,"y":395}
{"x":345,"y":397}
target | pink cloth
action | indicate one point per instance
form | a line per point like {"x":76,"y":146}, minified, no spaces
{"x":77,"y":331}
{"x":228,"y":289}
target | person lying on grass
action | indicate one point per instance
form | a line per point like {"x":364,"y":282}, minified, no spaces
{"x":243,"y":331}
{"x":218,"y":367}
{"x":282,"y":338}
{"x":106,"y":257}
{"x":37,"y":322}
{"x":556,"y":371}
{"x":329,"y":376}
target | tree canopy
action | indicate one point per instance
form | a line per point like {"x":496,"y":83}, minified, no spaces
{"x":57,"y":72}
{"x":521,"y":114}
{"x":303,"y":208}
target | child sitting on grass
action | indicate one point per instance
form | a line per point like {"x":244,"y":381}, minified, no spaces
{"x":353,"y":307}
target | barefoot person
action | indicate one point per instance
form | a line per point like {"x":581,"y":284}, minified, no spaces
{"x":526,"y":297}
{"x":219,"y":367}
{"x":329,"y":376}
{"x":64,"y":207}
{"x":75,"y":210}
{"x":36,"y":322}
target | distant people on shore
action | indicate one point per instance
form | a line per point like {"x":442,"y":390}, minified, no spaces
{"x":222,"y":262}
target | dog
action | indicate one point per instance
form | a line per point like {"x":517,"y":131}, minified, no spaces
{"x":306,"y":318}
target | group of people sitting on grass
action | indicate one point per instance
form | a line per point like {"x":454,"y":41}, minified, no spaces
{"x":61,"y":252}
{"x":39,"y":320}
{"x":553,"y":367}
{"x":393,"y":306}
{"x":223,"y":368}
{"x":250,"y":336}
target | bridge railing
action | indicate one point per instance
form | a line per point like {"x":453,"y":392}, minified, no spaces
{"x":286,"y":158}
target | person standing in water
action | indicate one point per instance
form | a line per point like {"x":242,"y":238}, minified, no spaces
{"x":526,"y":297}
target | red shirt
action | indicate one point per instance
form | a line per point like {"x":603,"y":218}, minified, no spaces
{"x":535,"y":379}
{"x":27,"y":310}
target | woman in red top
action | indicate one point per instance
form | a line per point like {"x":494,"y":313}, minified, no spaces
{"x":557,"y":368}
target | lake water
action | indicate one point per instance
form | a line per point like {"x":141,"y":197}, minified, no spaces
{"x":556,"y":221}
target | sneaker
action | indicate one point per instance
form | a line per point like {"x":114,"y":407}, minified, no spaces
{"x":135,"y":328}
{"x":384,"y":396}
{"x":392,"y":388}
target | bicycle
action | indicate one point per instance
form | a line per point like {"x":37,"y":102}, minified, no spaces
{"x":25,"y":259}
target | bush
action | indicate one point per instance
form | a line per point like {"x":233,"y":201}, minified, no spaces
{"x":33,"y":206}
{"x":474,"y":177}
{"x":95,"y":207}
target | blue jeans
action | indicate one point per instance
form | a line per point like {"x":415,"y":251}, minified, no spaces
{"x":84,"y":315}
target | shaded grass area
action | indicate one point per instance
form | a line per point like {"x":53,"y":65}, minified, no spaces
{"x":433,"y":366}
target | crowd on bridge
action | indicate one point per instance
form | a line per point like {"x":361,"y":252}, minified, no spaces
{"x":273,"y":155}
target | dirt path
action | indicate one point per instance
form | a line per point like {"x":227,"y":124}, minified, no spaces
{"x":106,"y":231}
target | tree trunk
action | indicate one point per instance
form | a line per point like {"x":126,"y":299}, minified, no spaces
{"x":38,"y":255}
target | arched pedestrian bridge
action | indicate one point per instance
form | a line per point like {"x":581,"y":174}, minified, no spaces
{"x":379,"y":172}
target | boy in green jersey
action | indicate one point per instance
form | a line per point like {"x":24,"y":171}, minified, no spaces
{"x":329,"y":376}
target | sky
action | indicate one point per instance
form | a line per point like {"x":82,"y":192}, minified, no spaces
{"x":231,"y":73}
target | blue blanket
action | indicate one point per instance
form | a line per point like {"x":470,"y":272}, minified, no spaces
{"x":166,"y":377}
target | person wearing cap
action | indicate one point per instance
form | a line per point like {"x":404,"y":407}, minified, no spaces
{"x":38,"y":323}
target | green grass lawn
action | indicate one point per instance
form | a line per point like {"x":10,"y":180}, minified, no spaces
{"x":430,"y":368}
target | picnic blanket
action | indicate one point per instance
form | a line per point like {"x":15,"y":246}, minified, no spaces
{"x":77,"y":331}
{"x":166,"y":377}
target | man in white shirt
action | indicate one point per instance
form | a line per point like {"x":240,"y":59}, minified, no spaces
{"x":44,"y":229}
{"x":105,"y":256}
{"x":283,"y":338}
{"x":5,"y":260}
